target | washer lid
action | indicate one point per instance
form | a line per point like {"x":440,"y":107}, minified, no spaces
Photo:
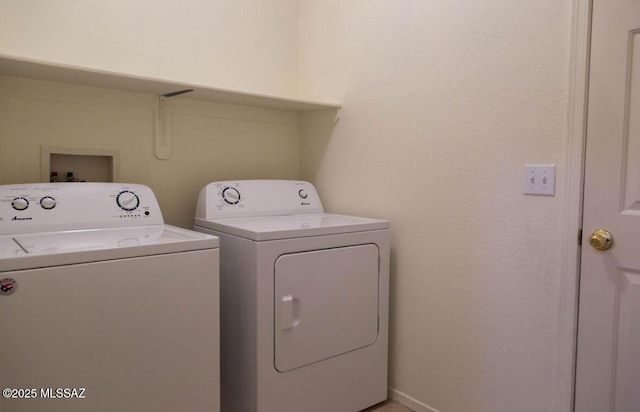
{"x":292,"y":226}
{"x":80,"y":246}
{"x":9,"y":248}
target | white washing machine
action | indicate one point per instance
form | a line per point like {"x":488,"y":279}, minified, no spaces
{"x":103,"y":307}
{"x":304,"y":299}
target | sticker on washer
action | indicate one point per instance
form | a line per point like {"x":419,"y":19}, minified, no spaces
{"x":7,"y":286}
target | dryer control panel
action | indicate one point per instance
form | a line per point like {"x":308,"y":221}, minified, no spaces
{"x":242,"y":198}
{"x":43,"y":207}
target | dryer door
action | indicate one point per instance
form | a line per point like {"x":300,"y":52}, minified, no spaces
{"x":326,"y":304}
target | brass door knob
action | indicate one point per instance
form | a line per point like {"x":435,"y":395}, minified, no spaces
{"x":601,"y":239}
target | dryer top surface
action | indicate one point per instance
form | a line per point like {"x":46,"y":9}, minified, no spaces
{"x":260,"y":228}
{"x":272,"y":209}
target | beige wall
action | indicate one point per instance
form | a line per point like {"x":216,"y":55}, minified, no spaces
{"x":247,"y":45}
{"x":209,"y":141}
{"x":443,"y":105}
{"x":241,"y":44}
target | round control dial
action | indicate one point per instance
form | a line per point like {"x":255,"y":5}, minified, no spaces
{"x":20,"y":203}
{"x":127,"y":200}
{"x":231,"y":195}
{"x":302,"y":194}
{"x":48,"y":202}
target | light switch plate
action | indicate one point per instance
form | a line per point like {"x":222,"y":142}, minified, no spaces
{"x":540,"y":180}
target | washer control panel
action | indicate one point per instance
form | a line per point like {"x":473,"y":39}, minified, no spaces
{"x":42,"y":207}
{"x":241,"y":198}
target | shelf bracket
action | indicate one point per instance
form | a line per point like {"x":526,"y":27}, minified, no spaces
{"x":162,"y":127}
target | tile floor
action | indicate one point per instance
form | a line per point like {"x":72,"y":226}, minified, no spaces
{"x":388,"y":406}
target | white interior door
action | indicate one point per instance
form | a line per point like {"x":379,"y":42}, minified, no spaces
{"x":608,"y":354}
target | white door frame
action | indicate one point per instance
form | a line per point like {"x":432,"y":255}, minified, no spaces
{"x":573,"y":182}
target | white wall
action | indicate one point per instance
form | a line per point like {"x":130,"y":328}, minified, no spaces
{"x":243,"y":44}
{"x":443,"y":104}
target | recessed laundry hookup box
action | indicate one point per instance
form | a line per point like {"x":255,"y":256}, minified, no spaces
{"x":71,"y":164}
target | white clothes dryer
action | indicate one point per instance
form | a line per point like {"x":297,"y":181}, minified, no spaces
{"x":304,"y":299}
{"x":103,"y":307}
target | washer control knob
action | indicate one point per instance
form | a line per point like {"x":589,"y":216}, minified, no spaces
{"x":20,"y":203}
{"x":48,"y":202}
{"x":302,"y":193}
{"x":127,"y":200}
{"x":231,"y":195}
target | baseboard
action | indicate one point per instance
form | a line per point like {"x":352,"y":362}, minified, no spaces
{"x":409,"y":402}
